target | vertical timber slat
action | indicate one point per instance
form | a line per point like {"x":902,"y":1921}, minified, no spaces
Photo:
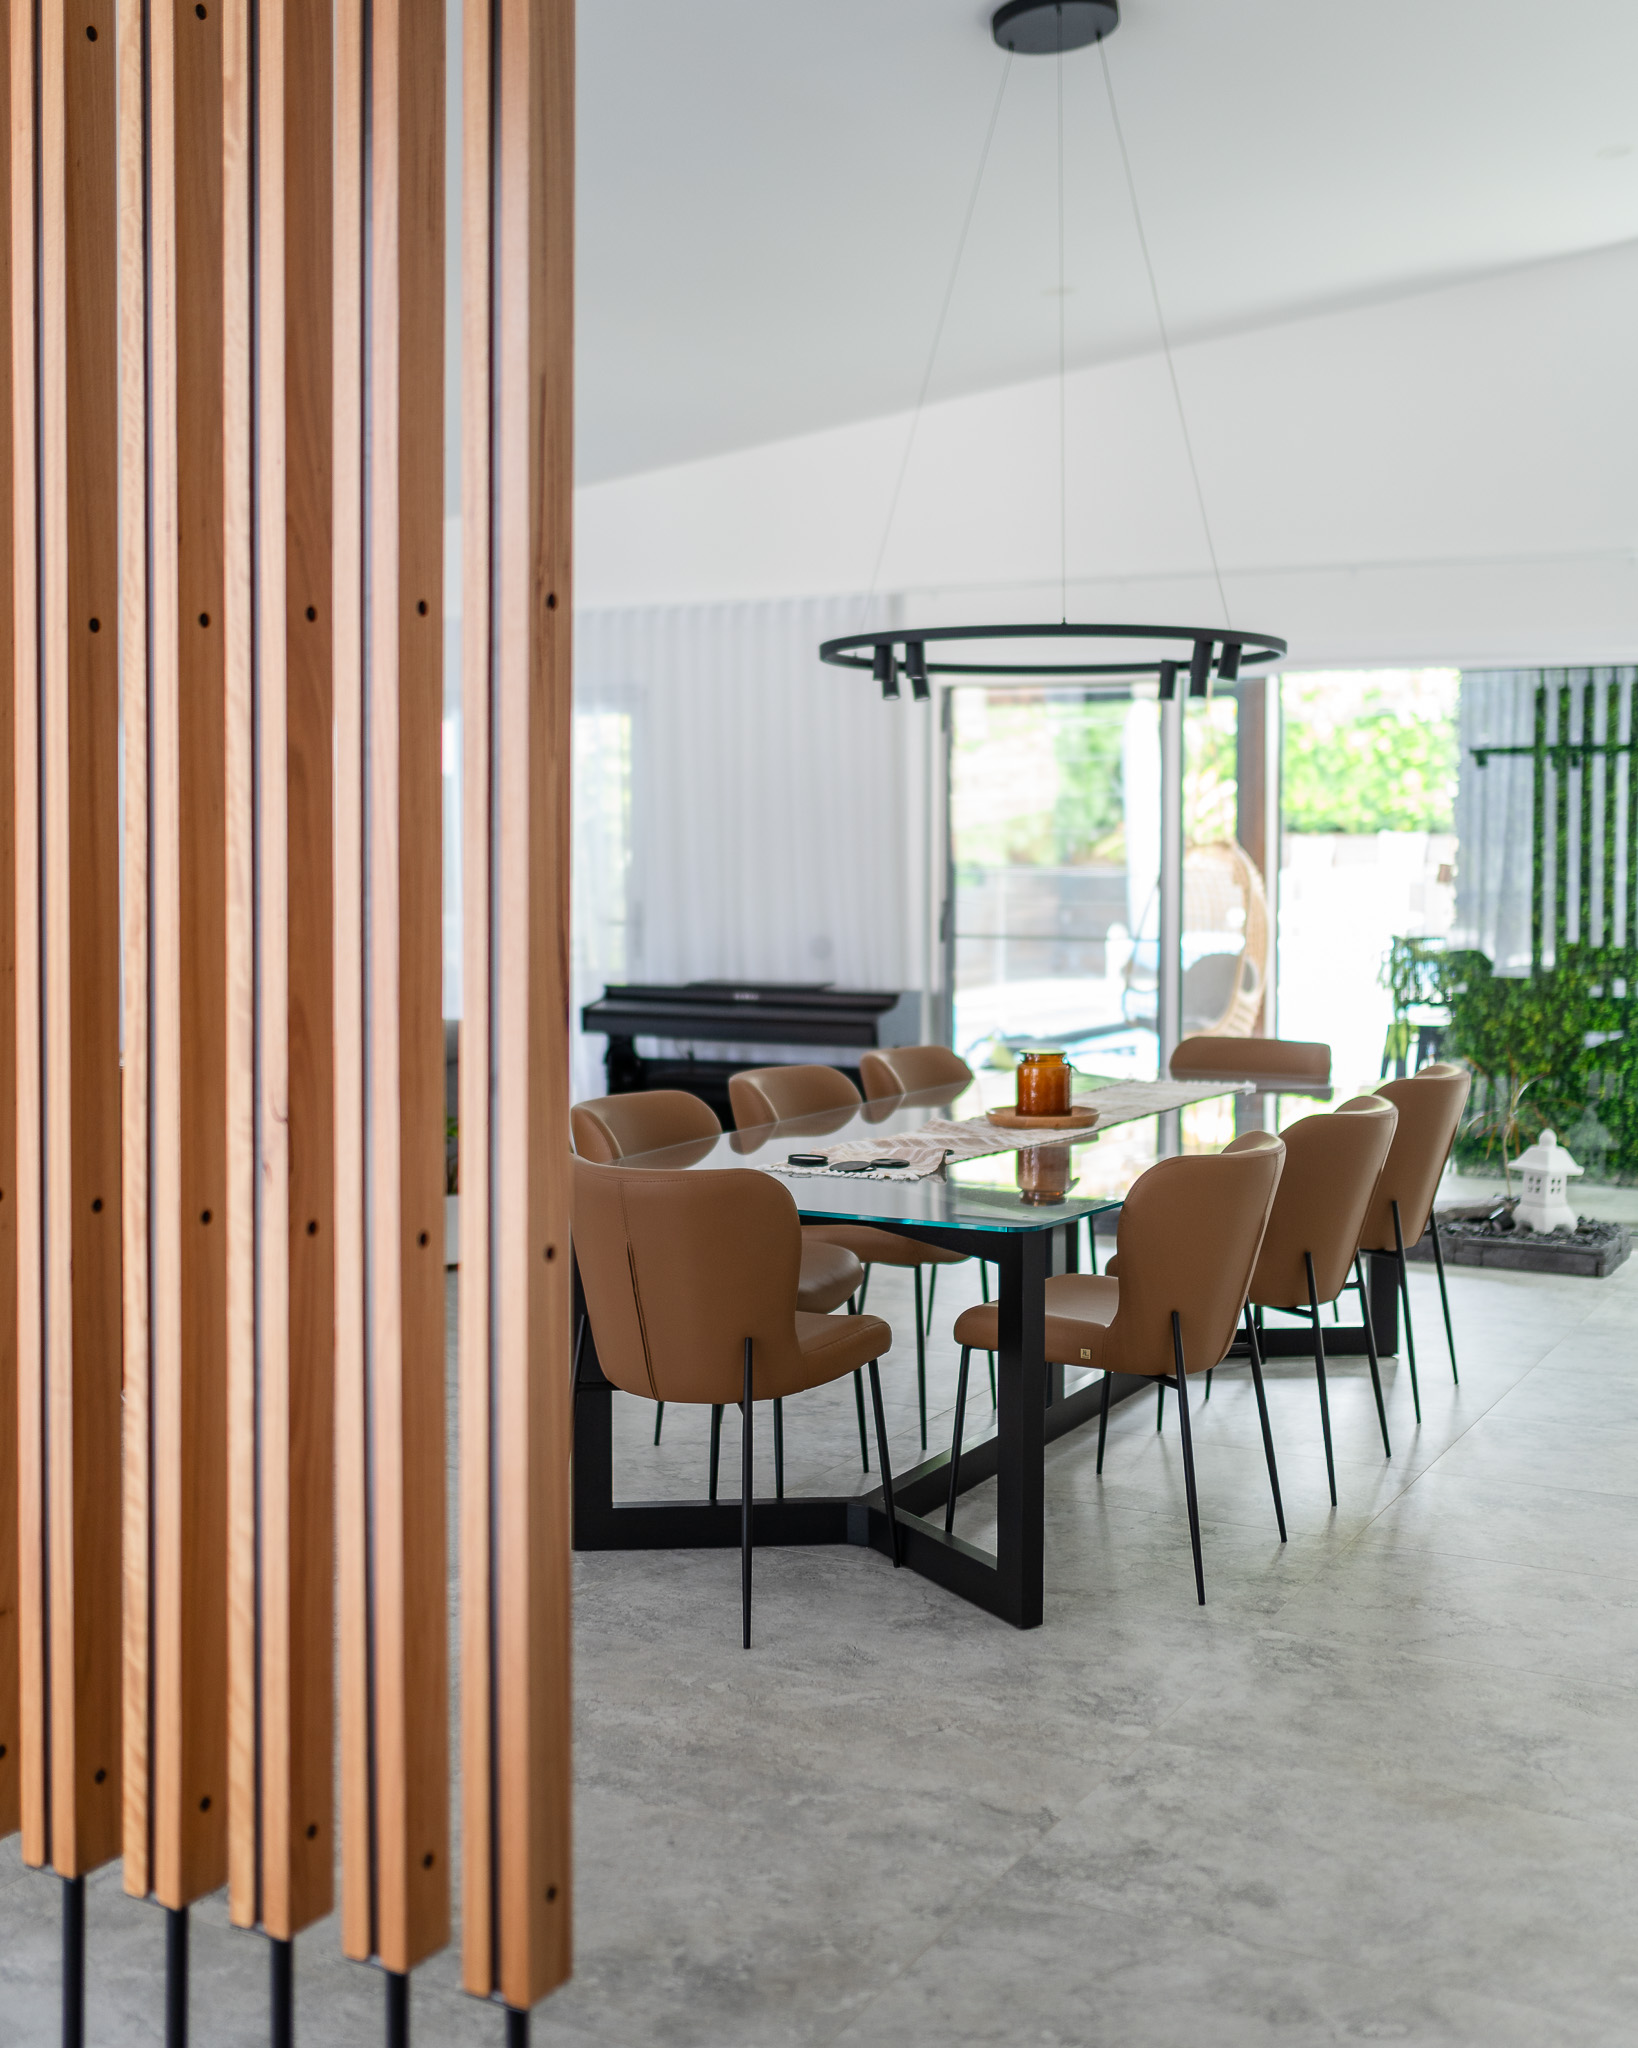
{"x":515,"y":1356}
{"x":10,"y":1702}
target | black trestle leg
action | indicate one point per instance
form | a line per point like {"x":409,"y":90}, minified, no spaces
{"x":73,"y":1962}
{"x":176,"y":1977}
{"x":779,"y":1450}
{"x":1262,"y":1417}
{"x":1404,"y":1302}
{"x":1188,"y":1455}
{"x":745,"y":1504}
{"x":955,"y":1441}
{"x":1319,"y":1374}
{"x":281,"y":1959}
{"x":1103,"y":1421}
{"x":398,"y":2028}
{"x":921,"y":1361}
{"x":1444,"y":1297}
{"x":716,"y":1448}
{"x":881,"y":1453}
{"x":858,"y":1402}
{"x":659,"y":1417}
{"x":517,"y":2026}
{"x":1370,"y":1353}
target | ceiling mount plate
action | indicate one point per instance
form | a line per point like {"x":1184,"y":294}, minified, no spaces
{"x":1046,"y":28}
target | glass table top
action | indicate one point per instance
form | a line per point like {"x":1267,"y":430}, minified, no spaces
{"x":977,"y":1194}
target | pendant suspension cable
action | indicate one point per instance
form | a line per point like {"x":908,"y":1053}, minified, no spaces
{"x":938,"y":333}
{"x":1165,"y":339}
{"x":1063,"y":431}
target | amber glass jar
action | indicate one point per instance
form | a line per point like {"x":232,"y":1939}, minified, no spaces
{"x":1043,"y":1084}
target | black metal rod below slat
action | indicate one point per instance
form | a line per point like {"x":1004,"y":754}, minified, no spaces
{"x":281,"y":1959}
{"x":517,"y":2026}
{"x":176,"y":1977}
{"x":73,"y":1962}
{"x":398,"y":2009}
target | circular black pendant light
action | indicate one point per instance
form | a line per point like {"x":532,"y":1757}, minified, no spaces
{"x":1051,"y":28}
{"x":1047,"y":28}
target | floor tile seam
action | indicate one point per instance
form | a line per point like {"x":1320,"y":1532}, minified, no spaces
{"x":1522,"y":1564}
{"x":1419,"y":1654}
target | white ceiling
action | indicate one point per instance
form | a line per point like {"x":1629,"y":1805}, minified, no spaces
{"x":771,"y":190}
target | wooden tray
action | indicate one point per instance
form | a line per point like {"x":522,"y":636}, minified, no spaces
{"x":1076,"y":1120}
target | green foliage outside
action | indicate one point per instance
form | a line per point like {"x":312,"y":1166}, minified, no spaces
{"x":1370,"y":753}
{"x":1554,"y":1051}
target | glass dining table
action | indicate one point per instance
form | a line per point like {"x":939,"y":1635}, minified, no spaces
{"x":981,"y":1207}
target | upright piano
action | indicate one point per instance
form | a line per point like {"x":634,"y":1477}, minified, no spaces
{"x":800,"y":1019}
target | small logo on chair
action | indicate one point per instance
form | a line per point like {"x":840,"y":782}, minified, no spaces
{"x":1086,"y":1354}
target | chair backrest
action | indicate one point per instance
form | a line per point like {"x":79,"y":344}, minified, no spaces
{"x":1332,"y":1166}
{"x":1190,"y":1230}
{"x":679,"y":1269}
{"x":1430,"y":1106}
{"x":1212,"y":1058}
{"x":907,"y":1069}
{"x":612,"y":1127}
{"x":773,"y":1095}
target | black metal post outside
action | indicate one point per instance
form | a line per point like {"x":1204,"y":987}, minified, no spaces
{"x":281,"y":1959}
{"x":176,"y":1977}
{"x":73,"y":1962}
{"x":517,"y":2026}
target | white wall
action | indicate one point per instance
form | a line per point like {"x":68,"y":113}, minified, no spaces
{"x":1444,"y":478}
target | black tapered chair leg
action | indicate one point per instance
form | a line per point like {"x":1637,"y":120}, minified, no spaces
{"x":745,"y":1507}
{"x":1404,"y":1303}
{"x":659,"y":1417}
{"x":881,"y":1453}
{"x":984,"y":1280}
{"x":779,"y":1450}
{"x":1160,"y":1405}
{"x":864,"y":1289}
{"x":858,"y":1398}
{"x":991,"y":1356}
{"x":1103,"y":1421}
{"x":1444,"y":1298}
{"x":955,"y":1441}
{"x":1370,"y":1353}
{"x":1319,"y":1375}
{"x":921,"y":1362}
{"x":716,"y":1448}
{"x":1262,"y":1417}
{"x":1207,"y":1395}
{"x":1188,"y":1456}
{"x":932,"y":1289}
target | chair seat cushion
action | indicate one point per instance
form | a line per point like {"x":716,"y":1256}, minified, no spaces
{"x":830,"y":1346}
{"x":1079,"y":1309}
{"x":881,"y":1247}
{"x":830,"y":1274}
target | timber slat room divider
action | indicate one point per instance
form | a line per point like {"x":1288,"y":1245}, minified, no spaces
{"x":224,"y":1565}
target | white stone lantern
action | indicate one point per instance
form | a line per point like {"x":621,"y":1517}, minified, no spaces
{"x":1545,"y":1168}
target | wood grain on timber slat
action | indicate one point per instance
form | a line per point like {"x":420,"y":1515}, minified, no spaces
{"x":10,"y":1701}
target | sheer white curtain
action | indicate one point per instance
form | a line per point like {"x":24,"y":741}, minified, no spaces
{"x":741,"y":810}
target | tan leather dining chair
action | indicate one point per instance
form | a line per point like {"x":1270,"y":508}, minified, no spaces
{"x":1297,"y":1062}
{"x":611,"y":1127}
{"x":1172,"y":1299}
{"x":691,"y":1283}
{"x":911,"y":1069}
{"x":1332,"y":1166}
{"x":775,"y":1095}
{"x":1430,"y":1106}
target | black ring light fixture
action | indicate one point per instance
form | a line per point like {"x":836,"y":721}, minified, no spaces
{"x":1223,"y":650}
{"x":1050,"y":28}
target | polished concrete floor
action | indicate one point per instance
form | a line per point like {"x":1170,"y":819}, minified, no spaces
{"x":1383,"y":1787}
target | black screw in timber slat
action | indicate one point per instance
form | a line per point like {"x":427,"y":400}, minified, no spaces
{"x":73,"y":1962}
{"x":176,"y":1977}
{"x":282,"y":1992}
